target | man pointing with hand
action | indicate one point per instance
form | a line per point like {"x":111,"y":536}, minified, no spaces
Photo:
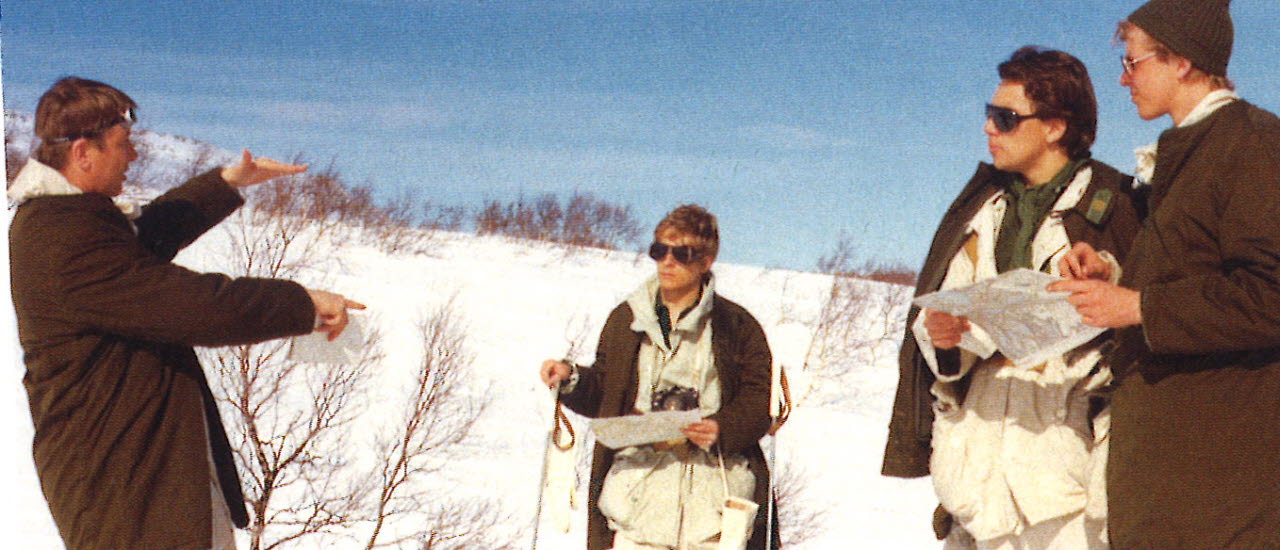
{"x":129,"y":447}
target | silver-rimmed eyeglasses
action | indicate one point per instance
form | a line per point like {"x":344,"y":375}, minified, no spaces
{"x":1131,"y":63}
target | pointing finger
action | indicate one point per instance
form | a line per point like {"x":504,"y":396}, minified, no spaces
{"x":352,"y":304}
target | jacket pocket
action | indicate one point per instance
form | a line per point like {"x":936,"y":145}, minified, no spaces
{"x":952,"y":465}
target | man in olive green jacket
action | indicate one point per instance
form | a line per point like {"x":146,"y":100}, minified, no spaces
{"x":1194,"y":451}
{"x":733,"y":367}
{"x":129,"y":447}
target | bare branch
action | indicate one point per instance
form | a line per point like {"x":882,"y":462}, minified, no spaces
{"x":438,"y":415}
{"x":468,"y":525}
{"x":583,"y":221}
{"x":857,"y":321}
{"x":797,"y":522}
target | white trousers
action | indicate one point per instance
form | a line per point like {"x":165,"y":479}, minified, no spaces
{"x":621,"y":542}
{"x":1073,"y":532}
{"x":224,"y":530}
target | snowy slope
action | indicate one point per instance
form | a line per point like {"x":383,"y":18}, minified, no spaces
{"x":522,"y":302}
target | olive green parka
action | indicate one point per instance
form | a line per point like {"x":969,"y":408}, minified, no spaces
{"x":120,"y":404}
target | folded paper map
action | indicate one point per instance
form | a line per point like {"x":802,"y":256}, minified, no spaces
{"x":625,"y":431}
{"x":1027,"y":323}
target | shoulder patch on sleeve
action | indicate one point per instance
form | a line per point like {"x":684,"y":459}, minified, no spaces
{"x":1099,"y":205}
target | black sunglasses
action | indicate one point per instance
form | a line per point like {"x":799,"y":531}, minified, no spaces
{"x":683,"y":254}
{"x":1005,"y":119}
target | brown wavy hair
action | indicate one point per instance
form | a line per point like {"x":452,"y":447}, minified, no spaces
{"x":1058,"y":85}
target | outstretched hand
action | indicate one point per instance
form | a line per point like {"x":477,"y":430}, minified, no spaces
{"x":331,"y":310}
{"x":945,"y":330}
{"x":252,"y":171}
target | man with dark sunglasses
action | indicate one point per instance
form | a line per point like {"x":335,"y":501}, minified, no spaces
{"x":676,"y":343}
{"x":1008,"y":447}
{"x":1194,"y":450}
{"x":129,"y":446}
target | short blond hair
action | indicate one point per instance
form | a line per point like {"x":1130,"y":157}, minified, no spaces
{"x":1164,"y":53}
{"x":693,"y":221}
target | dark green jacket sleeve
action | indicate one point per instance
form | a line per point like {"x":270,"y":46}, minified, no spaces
{"x":177,"y":218}
{"x":111,"y":281}
{"x":745,"y":365}
{"x":611,"y":355}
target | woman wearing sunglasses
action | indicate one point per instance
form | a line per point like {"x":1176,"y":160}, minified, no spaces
{"x":676,"y":344}
{"x":1010,"y":448}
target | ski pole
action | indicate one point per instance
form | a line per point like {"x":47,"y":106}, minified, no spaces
{"x":559,"y":418}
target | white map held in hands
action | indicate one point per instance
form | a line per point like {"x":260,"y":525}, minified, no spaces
{"x":1027,"y":323}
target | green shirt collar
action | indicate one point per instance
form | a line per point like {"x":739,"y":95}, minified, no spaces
{"x":1026,"y":210}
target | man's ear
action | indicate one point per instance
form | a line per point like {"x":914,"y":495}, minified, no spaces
{"x":1055,"y":128}
{"x":1184,"y":67}
{"x":79,"y":153}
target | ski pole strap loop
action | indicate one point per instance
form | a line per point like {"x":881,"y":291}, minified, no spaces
{"x":562,"y":420}
{"x":784,"y":408}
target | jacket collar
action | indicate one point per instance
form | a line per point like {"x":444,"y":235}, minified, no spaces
{"x":37,"y":179}
{"x":950,"y":234}
{"x":1175,"y":146}
{"x":1208,"y":104}
{"x":1144,"y":171}
{"x":645,"y":319}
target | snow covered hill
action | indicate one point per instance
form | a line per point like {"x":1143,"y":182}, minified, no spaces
{"x":522,"y":302}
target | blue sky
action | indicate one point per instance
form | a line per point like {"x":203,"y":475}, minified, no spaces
{"x":795,"y":122}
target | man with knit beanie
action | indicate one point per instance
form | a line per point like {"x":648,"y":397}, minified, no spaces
{"x":1193,"y":453}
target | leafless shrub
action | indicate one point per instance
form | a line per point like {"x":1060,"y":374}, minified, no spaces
{"x":205,"y":158}
{"x":841,"y":263}
{"x":522,"y":218}
{"x":491,"y":219}
{"x":583,"y":220}
{"x":888,"y":272}
{"x":290,"y":424}
{"x":798,"y":522}
{"x":436,"y":416}
{"x":592,"y":222}
{"x":296,"y":443}
{"x":315,"y":195}
{"x":403,"y":223}
{"x":853,"y":322}
{"x":293,"y":422}
{"x":468,"y":525}
{"x":439,"y":217}
{"x":392,"y":226}
{"x":289,"y":421}
{"x":322,"y":198}
{"x":288,"y":225}
{"x":577,"y":331}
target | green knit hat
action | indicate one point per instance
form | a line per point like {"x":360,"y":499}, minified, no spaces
{"x":1199,"y":30}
